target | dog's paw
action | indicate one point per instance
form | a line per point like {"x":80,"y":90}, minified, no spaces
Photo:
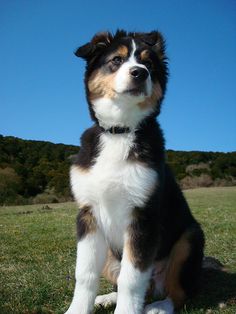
{"x":73,"y":309}
{"x":69,"y":311}
{"x":106,"y":299}
{"x":160,"y":307}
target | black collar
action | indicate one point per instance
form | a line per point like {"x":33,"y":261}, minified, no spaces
{"x":117,"y":130}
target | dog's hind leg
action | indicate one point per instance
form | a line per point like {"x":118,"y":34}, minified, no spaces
{"x":184,"y":266}
{"x":181,"y":272}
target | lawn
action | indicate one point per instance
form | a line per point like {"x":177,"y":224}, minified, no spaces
{"x":38,"y":255}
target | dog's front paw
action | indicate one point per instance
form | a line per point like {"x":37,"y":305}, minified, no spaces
{"x":70,"y":311}
{"x":74,"y":309}
{"x":106,"y":299}
{"x":160,"y":307}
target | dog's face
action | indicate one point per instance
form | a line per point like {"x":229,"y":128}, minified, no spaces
{"x":125,"y":77}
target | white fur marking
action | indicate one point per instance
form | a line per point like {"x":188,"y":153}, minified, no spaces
{"x":114,"y":186}
{"x":160,"y":307}
{"x":132,"y":286}
{"x":121,"y":111}
{"x":106,"y":300}
{"x":91,"y":254}
{"x":122,"y":79}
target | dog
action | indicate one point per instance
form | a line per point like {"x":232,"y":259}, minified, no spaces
{"x":134,"y":224}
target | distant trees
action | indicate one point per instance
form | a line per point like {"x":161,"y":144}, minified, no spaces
{"x":194,"y":169}
{"x":38,"y":172}
{"x":34,"y":171}
{"x":10,"y":186}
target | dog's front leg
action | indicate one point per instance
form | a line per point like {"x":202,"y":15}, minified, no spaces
{"x":91,"y":254}
{"x":132,"y":285}
{"x":139,"y":252}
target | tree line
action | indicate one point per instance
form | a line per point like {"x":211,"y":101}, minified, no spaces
{"x":38,"y":172}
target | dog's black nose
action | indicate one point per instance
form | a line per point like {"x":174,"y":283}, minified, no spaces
{"x":139,"y":74}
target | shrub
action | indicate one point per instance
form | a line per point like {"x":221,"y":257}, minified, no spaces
{"x":190,"y":182}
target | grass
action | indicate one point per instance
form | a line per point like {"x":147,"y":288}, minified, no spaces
{"x":38,"y":255}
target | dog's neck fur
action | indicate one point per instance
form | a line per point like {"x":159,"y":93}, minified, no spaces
{"x":119,"y":113}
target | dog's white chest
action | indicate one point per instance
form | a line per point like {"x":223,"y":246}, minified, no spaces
{"x":113,"y":186}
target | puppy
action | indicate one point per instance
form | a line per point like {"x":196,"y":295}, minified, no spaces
{"x":134,"y":223}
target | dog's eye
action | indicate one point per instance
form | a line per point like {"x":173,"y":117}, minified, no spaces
{"x":117,"y":60}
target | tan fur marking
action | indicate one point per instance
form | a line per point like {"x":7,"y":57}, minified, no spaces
{"x":112,"y":268}
{"x":101,"y":85}
{"x":129,"y":252}
{"x":88,"y":220}
{"x":151,"y":101}
{"x":80,"y":169}
{"x":144,"y":55}
{"x":178,"y":256}
{"x":122,"y":51}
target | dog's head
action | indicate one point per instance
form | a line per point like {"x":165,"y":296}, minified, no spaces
{"x":125,"y":77}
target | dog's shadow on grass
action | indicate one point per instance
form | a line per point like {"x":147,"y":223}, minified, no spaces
{"x":216,"y":292}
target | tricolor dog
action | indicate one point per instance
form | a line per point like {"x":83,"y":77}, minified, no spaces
{"x":134,"y":225}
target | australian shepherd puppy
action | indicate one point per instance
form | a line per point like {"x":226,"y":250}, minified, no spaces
{"x":134,"y":224}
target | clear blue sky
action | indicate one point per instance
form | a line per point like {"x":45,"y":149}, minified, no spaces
{"x":41,"y":81}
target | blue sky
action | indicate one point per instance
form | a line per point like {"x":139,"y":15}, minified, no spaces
{"x":41,"y":81}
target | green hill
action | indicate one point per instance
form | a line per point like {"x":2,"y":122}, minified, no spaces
{"x":34,"y":171}
{"x":37,"y":172}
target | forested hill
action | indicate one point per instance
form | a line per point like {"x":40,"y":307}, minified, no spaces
{"x":34,"y":171}
{"x":37,"y":172}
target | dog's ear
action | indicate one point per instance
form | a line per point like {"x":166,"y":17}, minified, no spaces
{"x":156,"y":41}
{"x":98,"y":43}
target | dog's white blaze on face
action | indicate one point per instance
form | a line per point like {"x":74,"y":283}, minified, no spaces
{"x":122,"y":78}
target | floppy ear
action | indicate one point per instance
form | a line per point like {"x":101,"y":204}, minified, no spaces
{"x":98,"y":43}
{"x":156,"y":41}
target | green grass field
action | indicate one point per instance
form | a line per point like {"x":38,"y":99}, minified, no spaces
{"x":38,"y":255}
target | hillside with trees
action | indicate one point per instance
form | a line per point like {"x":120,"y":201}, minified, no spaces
{"x":34,"y":171}
{"x":37,"y":172}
